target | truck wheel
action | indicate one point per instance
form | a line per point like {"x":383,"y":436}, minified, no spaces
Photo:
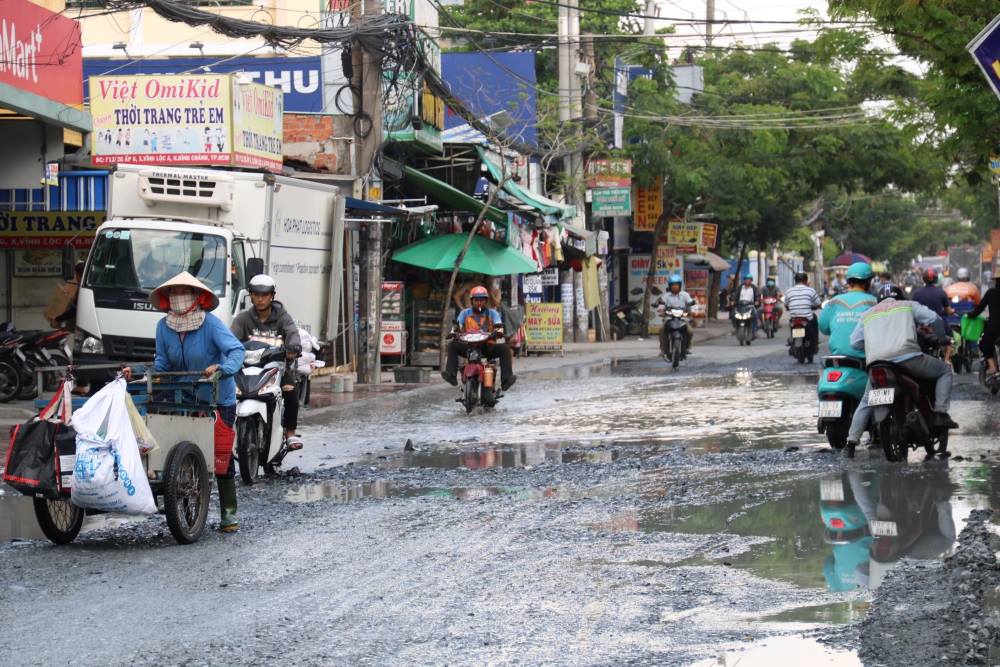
{"x":186,"y":492}
{"x":60,"y":520}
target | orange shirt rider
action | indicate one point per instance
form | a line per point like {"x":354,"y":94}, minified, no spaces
{"x":479,"y":318}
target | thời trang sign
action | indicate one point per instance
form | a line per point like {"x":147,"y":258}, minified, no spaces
{"x":201,"y":119}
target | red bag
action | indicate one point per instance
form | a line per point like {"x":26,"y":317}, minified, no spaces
{"x":224,"y":438}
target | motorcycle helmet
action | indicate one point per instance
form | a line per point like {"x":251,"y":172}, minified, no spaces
{"x":860,"y":271}
{"x":962,"y":274}
{"x":262,"y":284}
{"x":675,"y":280}
{"x":890,"y":291}
{"x":930,"y":276}
{"x":478,"y":296}
{"x":748,"y":276}
{"x":770,"y":282}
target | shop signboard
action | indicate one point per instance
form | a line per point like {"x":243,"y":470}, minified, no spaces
{"x":611,"y":202}
{"x":693,"y":234}
{"x":543,"y":327}
{"x":609,"y":173}
{"x":648,"y":206}
{"x":48,"y":229}
{"x":550,"y":277}
{"x":32,"y":40}
{"x":668,"y":262}
{"x":257,"y":118}
{"x":985,"y":50}
{"x":531,"y":285}
{"x":696,"y":283}
{"x":185,"y":120}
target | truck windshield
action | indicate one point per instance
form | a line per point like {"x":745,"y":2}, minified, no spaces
{"x":144,"y":259}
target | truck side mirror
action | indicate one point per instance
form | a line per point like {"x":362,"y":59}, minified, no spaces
{"x":255,"y":267}
{"x":68,"y":263}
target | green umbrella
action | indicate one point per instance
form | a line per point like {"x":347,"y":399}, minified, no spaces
{"x":484,"y":256}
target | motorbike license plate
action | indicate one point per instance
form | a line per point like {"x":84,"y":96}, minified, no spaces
{"x":883,"y":528}
{"x":830,"y":408}
{"x":798,"y":333}
{"x":881,"y":396}
{"x":831,"y":490}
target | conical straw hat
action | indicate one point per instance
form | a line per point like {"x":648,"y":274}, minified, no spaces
{"x":158,"y":297}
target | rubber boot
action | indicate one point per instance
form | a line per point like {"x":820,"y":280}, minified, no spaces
{"x":229,"y":522}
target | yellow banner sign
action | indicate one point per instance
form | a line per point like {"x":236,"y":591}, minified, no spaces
{"x":185,"y":120}
{"x":48,"y":229}
{"x":696,"y":234}
{"x":543,"y":327}
{"x":648,"y":205}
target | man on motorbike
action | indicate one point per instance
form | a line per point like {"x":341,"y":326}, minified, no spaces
{"x":479,"y":318}
{"x":746,"y":293}
{"x":270,"y":323}
{"x":675,"y":298}
{"x":772,"y":291}
{"x":987,"y":344}
{"x":888,"y":332}
{"x":932,"y":296}
{"x":801,"y":300}
{"x":841,"y":316}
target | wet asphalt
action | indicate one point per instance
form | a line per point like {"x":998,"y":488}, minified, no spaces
{"x":611,"y":513}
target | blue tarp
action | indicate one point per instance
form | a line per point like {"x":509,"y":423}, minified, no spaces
{"x":492,"y":82}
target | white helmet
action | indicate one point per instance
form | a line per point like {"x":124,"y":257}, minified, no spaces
{"x":962,"y":274}
{"x":262,"y":284}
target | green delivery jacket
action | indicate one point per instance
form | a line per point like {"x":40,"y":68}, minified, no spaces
{"x":839,"y":318}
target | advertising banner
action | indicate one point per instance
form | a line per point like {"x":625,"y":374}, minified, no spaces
{"x":48,"y":229}
{"x":299,"y":78}
{"x":693,"y":234}
{"x":543,"y":329}
{"x":32,"y":40}
{"x":985,"y":50}
{"x":609,"y":202}
{"x":609,"y":173}
{"x":185,"y":120}
{"x":257,"y":118}
{"x":648,"y":206}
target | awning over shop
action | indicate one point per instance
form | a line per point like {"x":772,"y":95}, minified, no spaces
{"x":364,"y":206}
{"x":49,"y":111}
{"x":484,"y":256}
{"x":715,"y":262}
{"x":540,"y":203}
{"x":582,"y":241}
{"x":451,"y":196}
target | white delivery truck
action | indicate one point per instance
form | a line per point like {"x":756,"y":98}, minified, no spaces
{"x":223,"y":227}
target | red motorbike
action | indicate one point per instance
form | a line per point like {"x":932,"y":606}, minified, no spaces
{"x":479,"y":375}
{"x":769,"y":316}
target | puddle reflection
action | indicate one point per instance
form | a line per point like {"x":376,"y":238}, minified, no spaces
{"x":18,"y":522}
{"x":843,"y":533}
{"x":784,"y":651}
{"x":500,"y":456}
{"x":351,"y":490}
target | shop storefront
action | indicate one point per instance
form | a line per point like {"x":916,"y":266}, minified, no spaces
{"x":43,"y":206}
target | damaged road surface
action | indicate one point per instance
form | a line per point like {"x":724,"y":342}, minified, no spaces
{"x":616,"y":513}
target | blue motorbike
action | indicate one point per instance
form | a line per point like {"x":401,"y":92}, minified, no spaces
{"x":841,"y":386}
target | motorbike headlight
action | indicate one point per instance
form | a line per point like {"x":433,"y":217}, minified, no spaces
{"x":92,"y":345}
{"x":955,"y":299}
{"x":271,"y":381}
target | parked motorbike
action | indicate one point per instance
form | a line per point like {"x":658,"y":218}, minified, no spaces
{"x":673,"y":337}
{"x":479,"y":376}
{"x":260,"y":440}
{"x":41,"y":349}
{"x":903,"y":412}
{"x":841,"y":387}
{"x":743,"y":320}
{"x":626,"y":319}
{"x":801,"y":345}
{"x":769,"y":316}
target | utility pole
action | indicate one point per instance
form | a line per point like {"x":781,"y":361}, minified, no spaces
{"x":648,"y":23}
{"x":368,"y":79}
{"x":709,"y":21}
{"x":569,"y":111}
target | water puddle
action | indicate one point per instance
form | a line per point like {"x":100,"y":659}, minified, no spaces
{"x":17,"y":518}
{"x":345,"y":491}
{"x":841,"y":534}
{"x":500,"y":456}
{"x":784,"y":651}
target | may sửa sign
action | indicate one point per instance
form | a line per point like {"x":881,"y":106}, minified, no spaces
{"x":204,"y":119}
{"x":543,"y":328}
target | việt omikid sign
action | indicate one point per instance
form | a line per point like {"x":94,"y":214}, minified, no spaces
{"x":48,"y":229}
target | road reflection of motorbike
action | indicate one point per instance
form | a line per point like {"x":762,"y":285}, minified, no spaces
{"x":479,"y":376}
{"x":874,"y":519}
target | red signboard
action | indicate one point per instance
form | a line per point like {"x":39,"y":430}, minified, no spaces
{"x":41,"y":52}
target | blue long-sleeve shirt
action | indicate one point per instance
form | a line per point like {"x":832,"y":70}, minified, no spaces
{"x":211,"y":343}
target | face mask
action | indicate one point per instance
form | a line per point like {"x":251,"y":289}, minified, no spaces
{"x":182,"y":303}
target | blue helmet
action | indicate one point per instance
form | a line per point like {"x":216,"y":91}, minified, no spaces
{"x":860,"y":271}
{"x":675,"y":279}
{"x":748,"y":276}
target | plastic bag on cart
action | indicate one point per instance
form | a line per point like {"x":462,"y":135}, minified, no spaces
{"x":109,"y":474}
{"x":33,"y":459}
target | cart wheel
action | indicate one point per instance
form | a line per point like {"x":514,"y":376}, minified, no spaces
{"x":60,"y":520}
{"x":185,"y":492}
